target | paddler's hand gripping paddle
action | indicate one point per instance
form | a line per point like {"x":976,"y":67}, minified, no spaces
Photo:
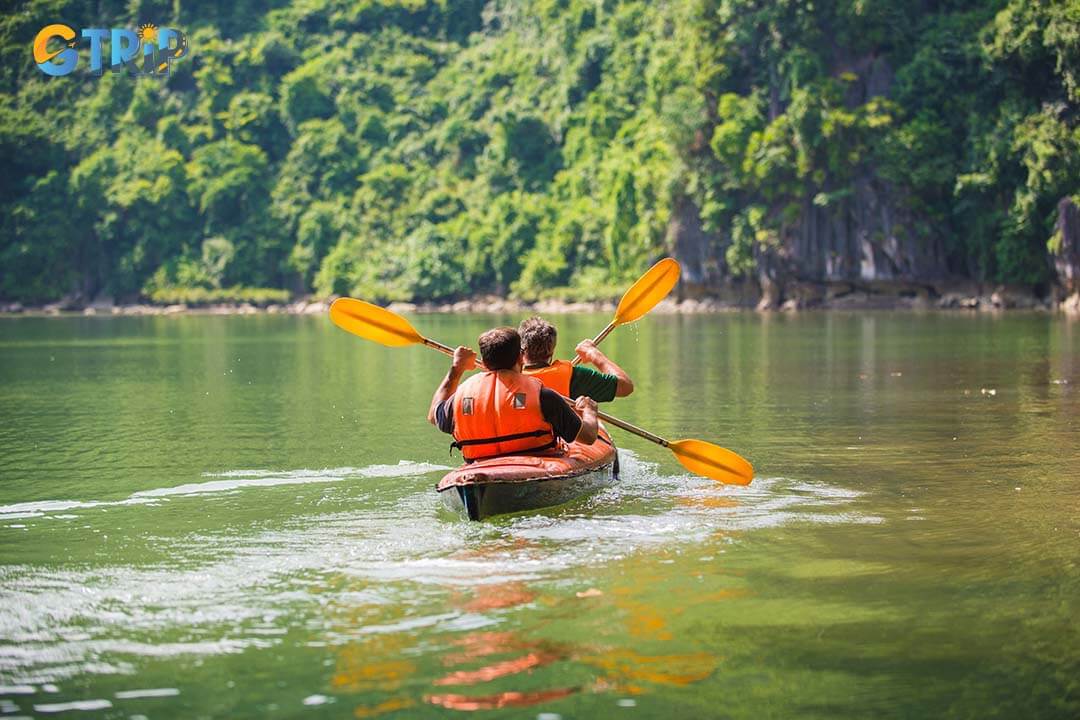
{"x":380,"y":325}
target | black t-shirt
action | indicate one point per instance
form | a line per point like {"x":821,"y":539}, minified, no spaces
{"x":563,"y":420}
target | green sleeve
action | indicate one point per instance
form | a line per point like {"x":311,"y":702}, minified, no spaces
{"x":597,"y":385}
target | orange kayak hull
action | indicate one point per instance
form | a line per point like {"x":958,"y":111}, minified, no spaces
{"x":519,"y":483}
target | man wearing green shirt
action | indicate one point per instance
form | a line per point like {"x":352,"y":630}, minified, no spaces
{"x":604,"y":384}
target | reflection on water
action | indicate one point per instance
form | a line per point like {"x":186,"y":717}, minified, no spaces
{"x":210,"y":517}
{"x":508,"y":699}
{"x":387,"y":706}
{"x":500,"y":654}
{"x":627,"y":670}
{"x":492,"y":669}
{"x":375,"y":666}
{"x":502,"y":595}
{"x":527,"y":656}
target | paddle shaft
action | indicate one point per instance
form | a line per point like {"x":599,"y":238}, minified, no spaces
{"x":447,"y":350}
{"x":649,"y":289}
{"x":630,"y":428}
{"x":439,"y":346}
{"x":596,"y":340}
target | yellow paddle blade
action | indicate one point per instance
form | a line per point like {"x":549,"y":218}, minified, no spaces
{"x":372,"y":322}
{"x":651,"y":288}
{"x":712,"y":461}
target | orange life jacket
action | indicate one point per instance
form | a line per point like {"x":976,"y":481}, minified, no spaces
{"x":498,"y":413}
{"x":555,"y":376}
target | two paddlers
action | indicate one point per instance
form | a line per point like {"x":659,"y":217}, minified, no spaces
{"x":514,"y":407}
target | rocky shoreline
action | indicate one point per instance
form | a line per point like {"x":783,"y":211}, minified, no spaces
{"x":796,"y":298}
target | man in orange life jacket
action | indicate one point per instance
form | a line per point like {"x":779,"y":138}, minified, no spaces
{"x":538,"y":338}
{"x":501,"y":411}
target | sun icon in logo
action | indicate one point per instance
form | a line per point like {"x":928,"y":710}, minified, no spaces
{"x":148,"y":32}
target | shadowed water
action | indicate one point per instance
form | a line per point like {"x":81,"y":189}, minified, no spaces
{"x":236,"y":517}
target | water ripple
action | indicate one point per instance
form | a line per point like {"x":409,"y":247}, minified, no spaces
{"x":395,"y":551}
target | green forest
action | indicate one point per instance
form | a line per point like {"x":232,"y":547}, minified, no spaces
{"x":432,"y":150}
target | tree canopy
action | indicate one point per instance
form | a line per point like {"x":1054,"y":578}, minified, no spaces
{"x":431,"y":149}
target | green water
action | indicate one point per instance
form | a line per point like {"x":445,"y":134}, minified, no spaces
{"x":236,"y":518}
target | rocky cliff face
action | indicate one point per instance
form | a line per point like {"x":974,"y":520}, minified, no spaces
{"x":861,"y":244}
{"x":864,"y":238}
{"x":704,"y":270}
{"x":1066,"y":257}
{"x":857,"y":253}
{"x":860,"y":250}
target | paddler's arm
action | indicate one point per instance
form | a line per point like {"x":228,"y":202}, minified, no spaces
{"x":464,"y":359}
{"x":565,"y":421}
{"x":587,"y":407}
{"x":589,"y":353}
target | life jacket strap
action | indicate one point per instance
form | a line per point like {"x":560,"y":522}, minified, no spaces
{"x":546,"y":446}
{"x":499,"y":438}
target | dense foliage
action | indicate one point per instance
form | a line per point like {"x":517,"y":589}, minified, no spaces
{"x":415,"y":149}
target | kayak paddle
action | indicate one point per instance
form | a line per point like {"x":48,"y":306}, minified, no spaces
{"x":377,"y":324}
{"x":650,"y":288}
{"x":380,"y":325}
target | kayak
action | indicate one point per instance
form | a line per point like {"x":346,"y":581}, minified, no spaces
{"x":516,"y":483}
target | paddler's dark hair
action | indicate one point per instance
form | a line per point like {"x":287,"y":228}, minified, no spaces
{"x":500,"y":348}
{"x":538,"y":338}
